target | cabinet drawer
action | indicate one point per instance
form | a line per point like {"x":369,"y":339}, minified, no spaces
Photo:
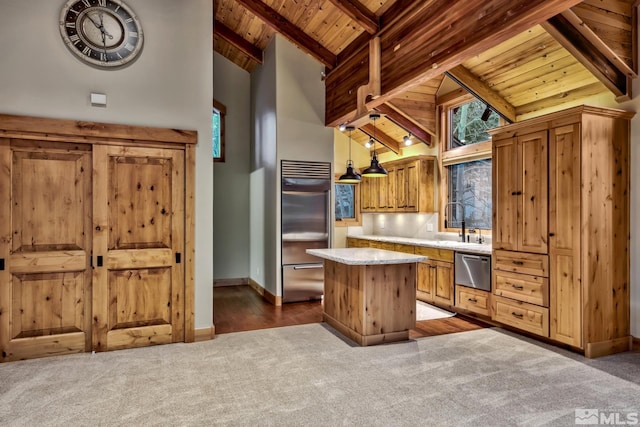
{"x":387,"y":246}
{"x":357,"y":243}
{"x":399,"y":247}
{"x":522,"y":287}
{"x":521,"y":262}
{"x":473,"y":300}
{"x":521,"y":315}
{"x":435,"y":253}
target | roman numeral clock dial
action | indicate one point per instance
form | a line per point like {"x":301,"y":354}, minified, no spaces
{"x":103,"y":33}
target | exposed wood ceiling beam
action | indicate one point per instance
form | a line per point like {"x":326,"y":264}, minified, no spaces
{"x":414,"y":49}
{"x":405,"y":122}
{"x":298,"y":37}
{"x":586,"y":47}
{"x":356,"y":11}
{"x":222,"y":31}
{"x":482,"y":91}
{"x":381,"y":137}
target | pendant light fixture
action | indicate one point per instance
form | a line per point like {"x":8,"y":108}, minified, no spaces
{"x":375,"y":170}
{"x":350,"y":176}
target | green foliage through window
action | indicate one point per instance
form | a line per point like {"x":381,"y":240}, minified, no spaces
{"x":470,"y":191}
{"x":467,"y":126}
{"x":215,"y":127}
{"x":345,"y":201}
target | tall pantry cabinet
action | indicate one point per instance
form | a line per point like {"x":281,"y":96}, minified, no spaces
{"x":572,"y":284}
{"x":96,"y":237}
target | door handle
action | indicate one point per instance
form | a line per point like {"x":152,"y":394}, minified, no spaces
{"x":473,"y":300}
{"x":99,"y":261}
{"x":514,"y":286}
{"x":518,"y":262}
{"x":306,"y":267}
{"x":178,"y":257}
{"x":1,"y":264}
{"x":517,"y":315}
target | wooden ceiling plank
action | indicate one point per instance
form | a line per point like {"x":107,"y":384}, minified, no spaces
{"x":561,"y":98}
{"x":602,"y":47}
{"x":360,"y":14}
{"x":577,"y":80}
{"x":414,"y":51}
{"x":253,"y":52}
{"x":404,"y":121}
{"x":290,"y":31}
{"x":483,"y":91}
{"x":381,"y":137}
{"x":595,"y":61}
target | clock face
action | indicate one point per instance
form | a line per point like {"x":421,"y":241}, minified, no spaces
{"x":105,"y":33}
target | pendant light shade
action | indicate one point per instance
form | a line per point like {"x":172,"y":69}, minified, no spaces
{"x":350,"y":176}
{"x":375,"y":170}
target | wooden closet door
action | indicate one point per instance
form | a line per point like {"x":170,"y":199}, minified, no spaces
{"x":138,"y":226}
{"x":45,"y":245}
{"x":504,"y":196}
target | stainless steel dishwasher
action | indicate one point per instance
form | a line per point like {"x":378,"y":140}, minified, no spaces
{"x":473,"y":271}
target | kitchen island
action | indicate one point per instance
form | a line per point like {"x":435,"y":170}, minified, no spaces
{"x":369,"y":294}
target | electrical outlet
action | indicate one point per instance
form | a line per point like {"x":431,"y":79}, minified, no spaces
{"x":429,"y":227}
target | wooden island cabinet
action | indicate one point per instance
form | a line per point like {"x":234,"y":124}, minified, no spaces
{"x":369,"y":294}
{"x":561,"y":228}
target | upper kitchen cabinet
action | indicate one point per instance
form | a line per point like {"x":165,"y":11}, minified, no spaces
{"x":408,"y":187}
{"x":520,"y":168}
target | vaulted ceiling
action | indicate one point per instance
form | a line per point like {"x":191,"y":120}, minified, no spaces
{"x":585,"y":50}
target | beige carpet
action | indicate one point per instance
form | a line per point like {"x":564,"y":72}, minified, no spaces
{"x":426,"y":311}
{"x":308,"y":375}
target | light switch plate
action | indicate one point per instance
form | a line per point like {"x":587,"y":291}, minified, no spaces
{"x":429,"y":227}
{"x":98,"y":100}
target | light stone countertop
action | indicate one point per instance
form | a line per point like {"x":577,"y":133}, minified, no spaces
{"x":365,"y":256}
{"x":476,"y":248}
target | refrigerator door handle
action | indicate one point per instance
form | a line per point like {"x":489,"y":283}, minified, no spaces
{"x":307,"y":267}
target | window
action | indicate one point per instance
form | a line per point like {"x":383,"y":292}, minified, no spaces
{"x":347,"y":204}
{"x":217,"y":130}
{"x":466,"y":164}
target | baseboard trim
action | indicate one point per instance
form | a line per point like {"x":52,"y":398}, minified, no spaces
{"x":204,"y":334}
{"x":605,"y":348}
{"x":635,"y":344}
{"x":230,"y":282}
{"x":268,"y":296}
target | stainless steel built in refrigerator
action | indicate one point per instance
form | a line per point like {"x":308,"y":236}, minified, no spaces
{"x":306,"y":198}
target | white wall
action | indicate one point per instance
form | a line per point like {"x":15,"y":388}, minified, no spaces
{"x":288,"y":106}
{"x":232,"y":87}
{"x":263,"y":195}
{"x":169,"y":85}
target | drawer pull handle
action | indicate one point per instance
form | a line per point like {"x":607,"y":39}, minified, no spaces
{"x":518,"y":262}
{"x":473,"y":300}
{"x":517,"y":315}
{"x":518,"y":287}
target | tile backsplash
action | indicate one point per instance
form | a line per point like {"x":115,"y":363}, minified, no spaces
{"x":418,"y":226}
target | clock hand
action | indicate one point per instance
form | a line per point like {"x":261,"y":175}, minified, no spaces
{"x":102,"y":29}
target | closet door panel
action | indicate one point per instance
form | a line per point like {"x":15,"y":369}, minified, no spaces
{"x":46,"y":247}
{"x":139,"y":233}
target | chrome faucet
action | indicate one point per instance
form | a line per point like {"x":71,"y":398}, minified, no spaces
{"x":462,"y":234}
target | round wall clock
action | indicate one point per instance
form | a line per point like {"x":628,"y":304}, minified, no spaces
{"x":105,"y":33}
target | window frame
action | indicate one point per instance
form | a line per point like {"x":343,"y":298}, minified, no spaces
{"x":449,"y":157}
{"x":349,"y":222}
{"x":221,"y":110}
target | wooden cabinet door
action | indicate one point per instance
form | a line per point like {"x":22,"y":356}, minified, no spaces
{"x":401,"y":187}
{"x":411,"y":187}
{"x":504,"y":194}
{"x":387,"y":191}
{"x":368,"y":195}
{"x":426,"y":281}
{"x":443,"y":290}
{"x":45,"y":246}
{"x":138,"y":226}
{"x":533,"y":168}
{"x":564,"y":235}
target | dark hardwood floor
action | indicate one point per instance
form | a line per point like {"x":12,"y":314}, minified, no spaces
{"x":240,"y":308}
